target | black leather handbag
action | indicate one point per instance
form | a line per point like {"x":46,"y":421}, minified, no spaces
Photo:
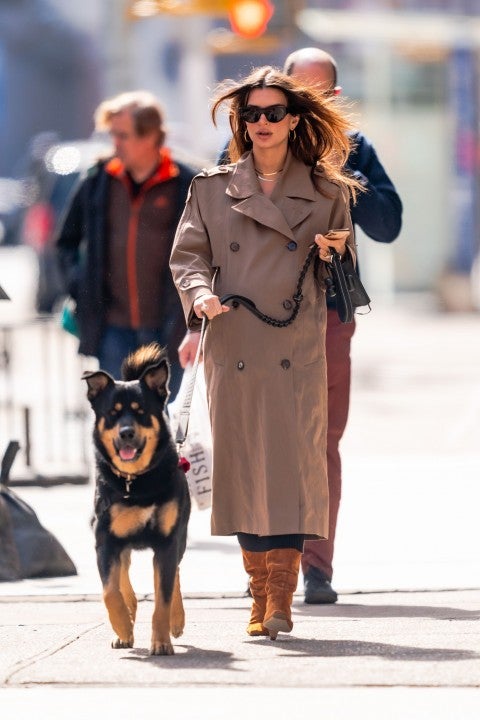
{"x":344,"y":285}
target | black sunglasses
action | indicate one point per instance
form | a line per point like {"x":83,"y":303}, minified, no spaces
{"x":273,"y":113}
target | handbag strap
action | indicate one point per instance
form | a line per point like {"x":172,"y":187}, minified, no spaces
{"x":344,"y":301}
{"x":184,"y":414}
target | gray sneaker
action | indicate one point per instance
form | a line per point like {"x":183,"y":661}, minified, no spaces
{"x":317,"y":588}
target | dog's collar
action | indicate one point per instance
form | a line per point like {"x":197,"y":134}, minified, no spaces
{"x":128,"y":477}
{"x":183,"y":463}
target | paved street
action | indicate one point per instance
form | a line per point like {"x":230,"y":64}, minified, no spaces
{"x":403,"y":640}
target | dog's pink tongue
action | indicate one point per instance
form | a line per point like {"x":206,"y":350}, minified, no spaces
{"x":127,"y":453}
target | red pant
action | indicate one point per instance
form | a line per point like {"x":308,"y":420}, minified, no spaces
{"x":319,"y":553}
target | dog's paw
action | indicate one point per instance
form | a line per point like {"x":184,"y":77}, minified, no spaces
{"x":161,"y":648}
{"x":118,"y":643}
{"x":176,"y":630}
{"x":177,"y":619}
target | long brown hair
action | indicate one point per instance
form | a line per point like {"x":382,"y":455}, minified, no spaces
{"x":320,"y":138}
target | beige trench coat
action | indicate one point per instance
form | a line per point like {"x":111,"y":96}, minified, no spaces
{"x":267,"y":387}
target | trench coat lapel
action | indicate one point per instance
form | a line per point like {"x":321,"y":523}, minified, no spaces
{"x":295,"y":189}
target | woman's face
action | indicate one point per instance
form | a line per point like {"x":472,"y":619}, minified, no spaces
{"x":265,"y":134}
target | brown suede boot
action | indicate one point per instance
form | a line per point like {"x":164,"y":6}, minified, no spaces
{"x":282,"y":567}
{"x":256,"y":567}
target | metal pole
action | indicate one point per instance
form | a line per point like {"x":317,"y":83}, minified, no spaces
{"x":197,"y":80}
{"x":27,"y":436}
{"x":118,"y":56}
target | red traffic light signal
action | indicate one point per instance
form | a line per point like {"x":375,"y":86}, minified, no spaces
{"x":249,"y":18}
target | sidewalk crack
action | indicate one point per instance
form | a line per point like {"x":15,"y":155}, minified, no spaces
{"x":29,"y":662}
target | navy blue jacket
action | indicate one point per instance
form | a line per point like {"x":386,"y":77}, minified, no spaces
{"x":377,"y":212}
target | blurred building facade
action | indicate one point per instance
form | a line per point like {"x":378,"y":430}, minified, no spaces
{"x":410,"y":68}
{"x":49,"y":78}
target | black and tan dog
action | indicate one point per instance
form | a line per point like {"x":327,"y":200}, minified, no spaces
{"x":141,"y":498}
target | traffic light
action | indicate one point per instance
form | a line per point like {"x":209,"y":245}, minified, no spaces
{"x":249,"y":18}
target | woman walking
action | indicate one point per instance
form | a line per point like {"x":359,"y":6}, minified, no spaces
{"x":247,"y":230}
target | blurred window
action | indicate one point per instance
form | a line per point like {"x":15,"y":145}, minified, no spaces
{"x":419,"y":81}
{"x":2,"y":86}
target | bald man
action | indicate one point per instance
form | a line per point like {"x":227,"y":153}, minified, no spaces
{"x":378,"y":212}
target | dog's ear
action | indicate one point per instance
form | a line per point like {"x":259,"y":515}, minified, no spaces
{"x":97,"y":382}
{"x":156,"y":378}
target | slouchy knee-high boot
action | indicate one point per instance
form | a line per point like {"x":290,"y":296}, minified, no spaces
{"x":282,"y":566}
{"x":256,"y":567}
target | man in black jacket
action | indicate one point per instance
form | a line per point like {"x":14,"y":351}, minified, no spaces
{"x":115,"y":241}
{"x":378,"y":211}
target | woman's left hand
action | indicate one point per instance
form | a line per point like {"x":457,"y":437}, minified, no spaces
{"x":325,"y":243}
{"x":188,"y":348}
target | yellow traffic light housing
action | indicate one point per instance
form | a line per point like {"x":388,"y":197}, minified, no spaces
{"x":249,"y":18}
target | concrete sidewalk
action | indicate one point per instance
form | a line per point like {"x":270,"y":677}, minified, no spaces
{"x":403,"y":640}
{"x":404,"y":655}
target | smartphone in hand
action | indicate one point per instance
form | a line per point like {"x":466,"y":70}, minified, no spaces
{"x":339,"y":234}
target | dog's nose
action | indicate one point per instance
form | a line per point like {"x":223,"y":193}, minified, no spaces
{"x":127,"y":432}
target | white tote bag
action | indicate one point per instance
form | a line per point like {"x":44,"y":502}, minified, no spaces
{"x":197,"y":448}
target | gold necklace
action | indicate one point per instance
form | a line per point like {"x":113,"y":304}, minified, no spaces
{"x":267,"y":174}
{"x":267,"y":179}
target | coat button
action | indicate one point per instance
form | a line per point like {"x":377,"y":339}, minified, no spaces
{"x":292,"y":245}
{"x":287,"y":304}
{"x":234,"y":247}
{"x":240,"y":365}
{"x":285,"y":364}
{"x":185,"y":283}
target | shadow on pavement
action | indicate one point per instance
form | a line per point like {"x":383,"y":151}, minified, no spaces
{"x":354,"y":648}
{"x":387,"y":611}
{"x":186,"y":656}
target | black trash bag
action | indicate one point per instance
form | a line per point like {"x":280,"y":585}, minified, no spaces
{"x":27,"y":549}
{"x":9,"y":560}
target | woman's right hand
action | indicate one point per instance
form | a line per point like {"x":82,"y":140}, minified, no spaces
{"x":209,"y":305}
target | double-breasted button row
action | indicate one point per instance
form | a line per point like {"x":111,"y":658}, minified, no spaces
{"x":292,"y":245}
{"x":284,"y":363}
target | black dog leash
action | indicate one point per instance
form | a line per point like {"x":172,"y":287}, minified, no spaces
{"x":297,"y":298}
{"x":236,"y":300}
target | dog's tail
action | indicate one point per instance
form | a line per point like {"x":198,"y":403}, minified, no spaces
{"x":137,"y":362}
